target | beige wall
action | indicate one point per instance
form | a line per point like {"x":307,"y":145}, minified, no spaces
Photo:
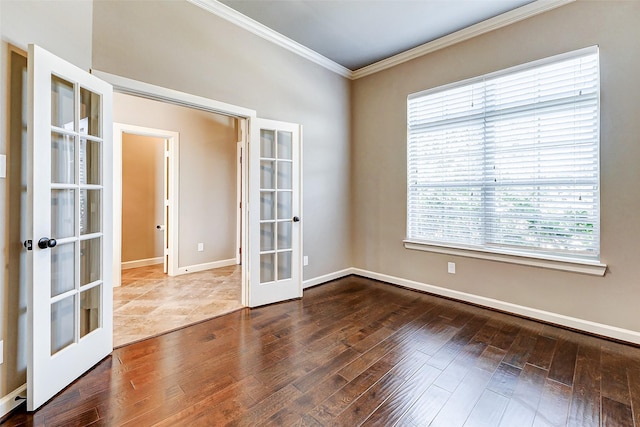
{"x":23,"y":22}
{"x":142,"y":197}
{"x":379,"y":164}
{"x":176,"y":45}
{"x":207,"y":174}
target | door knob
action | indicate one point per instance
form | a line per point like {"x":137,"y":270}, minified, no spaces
{"x":46,"y":242}
{"x":296,"y":219}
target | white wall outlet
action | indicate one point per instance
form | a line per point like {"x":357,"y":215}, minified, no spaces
{"x":451,"y":267}
{"x":3,"y":165}
{"x":1,"y":352}
{"x":200,"y":247}
{"x":305,"y":260}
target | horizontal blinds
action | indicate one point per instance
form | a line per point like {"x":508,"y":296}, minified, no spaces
{"x":509,"y":160}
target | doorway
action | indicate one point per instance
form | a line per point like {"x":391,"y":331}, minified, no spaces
{"x":145,"y":198}
{"x":200,"y":216}
{"x":144,"y":201}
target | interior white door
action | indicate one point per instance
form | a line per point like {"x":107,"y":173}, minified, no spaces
{"x":70,"y":302}
{"x":275,"y":231}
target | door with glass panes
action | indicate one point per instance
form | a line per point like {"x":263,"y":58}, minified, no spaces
{"x":69,"y":224}
{"x":275,"y":231}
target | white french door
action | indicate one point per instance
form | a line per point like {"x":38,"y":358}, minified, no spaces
{"x":275,"y":231}
{"x":70,"y":303}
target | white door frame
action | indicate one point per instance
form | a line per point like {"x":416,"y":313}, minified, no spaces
{"x":158,"y":93}
{"x":174,"y":149}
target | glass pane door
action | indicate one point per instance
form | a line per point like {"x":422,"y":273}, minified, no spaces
{"x":276,"y":205}
{"x":274,"y":226}
{"x":76,"y":212}
{"x":69,"y":190}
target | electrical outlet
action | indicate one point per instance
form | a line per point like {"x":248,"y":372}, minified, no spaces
{"x":451,"y":267}
{"x":1,"y":352}
{"x":200,"y":247}
{"x":305,"y":260}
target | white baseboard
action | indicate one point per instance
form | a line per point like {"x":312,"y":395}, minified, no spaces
{"x":142,"y":263}
{"x":532,"y":313}
{"x":9,"y":402}
{"x":206,"y":266}
{"x":327,"y":278}
{"x":588,"y":326}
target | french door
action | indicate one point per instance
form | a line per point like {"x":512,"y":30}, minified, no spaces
{"x":70,"y":304}
{"x":275,"y":234}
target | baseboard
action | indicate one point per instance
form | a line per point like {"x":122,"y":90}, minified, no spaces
{"x":327,"y":278}
{"x":142,"y":263}
{"x":206,"y":266}
{"x":532,"y":313}
{"x":9,"y":402}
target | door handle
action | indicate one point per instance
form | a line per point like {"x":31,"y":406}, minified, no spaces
{"x":46,"y":242}
{"x":296,"y":219}
{"x":160,"y":227}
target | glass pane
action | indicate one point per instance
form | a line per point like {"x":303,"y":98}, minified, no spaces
{"x":62,"y":323}
{"x":90,"y":310}
{"x":89,"y":162}
{"x":284,"y":145}
{"x":267,"y":205}
{"x":63,"y":270}
{"x":90,"y":265}
{"x":89,"y":113}
{"x":284,"y":175}
{"x":90,"y":211}
{"x":62,"y":103}
{"x":267,"y":267}
{"x":284,"y":265}
{"x":267,"y":174}
{"x":267,"y":143}
{"x":63,"y":218}
{"x":62,"y":159}
{"x":284,"y":205}
{"x":267,"y":240}
{"x":284,"y":235}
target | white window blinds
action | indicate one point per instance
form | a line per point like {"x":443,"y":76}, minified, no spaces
{"x":509,"y":162}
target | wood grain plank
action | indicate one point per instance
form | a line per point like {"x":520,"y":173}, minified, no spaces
{"x":522,"y":407}
{"x":392,"y":410}
{"x":614,"y":384}
{"x":426,"y":407}
{"x":585,"y":399}
{"x":553,"y":407}
{"x":542,"y":353}
{"x":633,"y":375}
{"x":463,"y":400}
{"x":488,"y":411}
{"x":616,"y":414}
{"x":564,"y":362}
{"x":505,"y":379}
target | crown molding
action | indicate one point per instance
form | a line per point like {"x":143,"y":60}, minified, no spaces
{"x":507,"y":18}
{"x":527,"y":11}
{"x":235,"y":17}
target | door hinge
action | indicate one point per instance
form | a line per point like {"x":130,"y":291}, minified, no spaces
{"x":28,"y":244}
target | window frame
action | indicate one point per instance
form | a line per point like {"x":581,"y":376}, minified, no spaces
{"x":585,"y":265}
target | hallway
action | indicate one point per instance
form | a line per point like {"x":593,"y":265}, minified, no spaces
{"x":150,"y":302}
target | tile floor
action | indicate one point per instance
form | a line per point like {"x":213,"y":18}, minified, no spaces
{"x":150,"y":303}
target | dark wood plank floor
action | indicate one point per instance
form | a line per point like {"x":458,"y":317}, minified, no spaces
{"x":358,"y":352}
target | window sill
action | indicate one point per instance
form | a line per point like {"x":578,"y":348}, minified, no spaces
{"x":593,"y":268}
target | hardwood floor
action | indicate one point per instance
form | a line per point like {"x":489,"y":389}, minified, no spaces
{"x":358,"y":352}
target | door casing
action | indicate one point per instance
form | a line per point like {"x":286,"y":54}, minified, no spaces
{"x":174,"y":151}
{"x":145,"y":90}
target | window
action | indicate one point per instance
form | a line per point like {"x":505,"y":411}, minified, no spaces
{"x":509,"y":162}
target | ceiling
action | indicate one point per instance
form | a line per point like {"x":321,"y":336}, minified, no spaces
{"x":357,"y":33}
